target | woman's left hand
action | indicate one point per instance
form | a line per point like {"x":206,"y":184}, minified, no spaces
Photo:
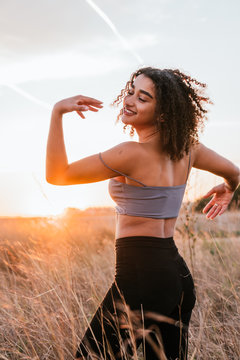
{"x":77,"y":103}
{"x":222,"y":196}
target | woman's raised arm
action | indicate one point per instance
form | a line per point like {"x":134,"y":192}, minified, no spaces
{"x":56,"y":157}
{"x":209,"y":160}
{"x":89,"y":169}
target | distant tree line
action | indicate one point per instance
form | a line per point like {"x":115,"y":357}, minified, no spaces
{"x":199,"y":204}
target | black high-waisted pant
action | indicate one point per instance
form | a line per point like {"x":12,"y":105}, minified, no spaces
{"x":149,"y":302}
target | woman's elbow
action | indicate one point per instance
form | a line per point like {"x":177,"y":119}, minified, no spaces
{"x":50,"y":180}
{"x":55,"y":181}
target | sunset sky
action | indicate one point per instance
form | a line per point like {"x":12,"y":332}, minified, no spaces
{"x":50,"y":50}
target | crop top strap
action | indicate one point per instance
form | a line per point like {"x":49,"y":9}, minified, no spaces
{"x":189,"y":162}
{"x":119,"y":172}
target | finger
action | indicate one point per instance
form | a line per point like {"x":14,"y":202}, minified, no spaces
{"x":85,"y":108}
{"x":80,"y":114}
{"x":90,"y":100}
{"x":82,"y":108}
{"x":96,"y":105}
{"x":208,"y":206}
{"x":213,"y":209}
{"x":95,"y":100}
{"x":88,"y":105}
{"x":92,"y":108}
{"x":209,"y":214}
{"x":224,"y":208}
{"x":215,"y":212}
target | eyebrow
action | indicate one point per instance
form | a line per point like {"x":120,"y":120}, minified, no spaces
{"x":143,"y":91}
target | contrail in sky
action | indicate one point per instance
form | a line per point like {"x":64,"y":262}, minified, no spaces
{"x":115,"y":31}
{"x":28,"y":96}
{"x":123,"y":41}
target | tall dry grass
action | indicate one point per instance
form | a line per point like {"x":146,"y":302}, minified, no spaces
{"x":55,"y":271}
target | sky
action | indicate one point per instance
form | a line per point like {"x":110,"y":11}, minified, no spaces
{"x":51,"y":50}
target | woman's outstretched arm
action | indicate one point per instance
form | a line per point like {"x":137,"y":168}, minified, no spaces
{"x":209,"y":160}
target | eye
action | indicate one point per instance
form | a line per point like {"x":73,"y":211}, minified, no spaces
{"x":132,"y":93}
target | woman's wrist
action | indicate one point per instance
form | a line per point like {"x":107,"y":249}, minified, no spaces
{"x":233,"y":183}
{"x":229,"y":187}
{"x":56,"y":112}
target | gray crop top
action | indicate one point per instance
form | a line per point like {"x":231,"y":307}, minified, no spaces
{"x":156,"y":202}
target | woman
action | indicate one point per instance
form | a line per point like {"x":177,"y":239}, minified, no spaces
{"x":153,"y":290}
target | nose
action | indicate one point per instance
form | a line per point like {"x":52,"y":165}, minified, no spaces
{"x":129,"y":100}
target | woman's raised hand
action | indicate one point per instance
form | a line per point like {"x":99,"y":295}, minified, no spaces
{"x":222,"y":196}
{"x":77,"y":103}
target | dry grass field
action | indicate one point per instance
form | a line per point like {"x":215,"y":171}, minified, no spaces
{"x":55,"y":271}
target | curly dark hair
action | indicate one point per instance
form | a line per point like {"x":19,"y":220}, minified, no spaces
{"x":180,"y":111}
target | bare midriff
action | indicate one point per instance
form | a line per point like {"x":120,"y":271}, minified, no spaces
{"x":127,"y":225}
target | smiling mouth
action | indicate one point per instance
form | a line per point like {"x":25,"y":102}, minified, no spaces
{"x":128,"y":112}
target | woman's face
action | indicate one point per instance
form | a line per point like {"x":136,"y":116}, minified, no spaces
{"x":140,"y":103}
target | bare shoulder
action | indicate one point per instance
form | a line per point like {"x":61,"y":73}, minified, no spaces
{"x":123,"y":156}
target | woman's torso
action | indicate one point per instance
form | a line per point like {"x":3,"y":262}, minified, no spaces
{"x":152,"y":169}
